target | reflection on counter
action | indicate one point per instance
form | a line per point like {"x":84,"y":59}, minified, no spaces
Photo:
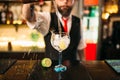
{"x":22,"y":40}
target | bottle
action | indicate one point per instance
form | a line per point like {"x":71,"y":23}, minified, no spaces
{"x":9,"y":16}
{"x":9,"y":46}
{"x":3,"y":14}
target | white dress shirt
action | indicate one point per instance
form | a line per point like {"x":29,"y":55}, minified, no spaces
{"x":42,"y":24}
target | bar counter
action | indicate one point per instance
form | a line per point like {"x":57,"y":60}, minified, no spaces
{"x":32,"y":70}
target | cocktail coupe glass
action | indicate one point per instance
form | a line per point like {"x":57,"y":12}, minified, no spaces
{"x":60,"y":41}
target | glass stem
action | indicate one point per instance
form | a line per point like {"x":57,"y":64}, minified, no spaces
{"x":60,"y":58}
{"x":60,"y":63}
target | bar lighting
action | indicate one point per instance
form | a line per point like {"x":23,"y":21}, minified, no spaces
{"x":105,"y":16}
{"x":3,"y":43}
{"x":112,"y":8}
{"x":109,"y":8}
{"x":17,"y":22}
{"x":22,"y":43}
{"x":4,"y":39}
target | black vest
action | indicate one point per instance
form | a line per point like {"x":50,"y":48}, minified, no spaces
{"x":70,"y":52}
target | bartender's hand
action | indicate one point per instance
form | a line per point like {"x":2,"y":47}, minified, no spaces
{"x":27,"y":12}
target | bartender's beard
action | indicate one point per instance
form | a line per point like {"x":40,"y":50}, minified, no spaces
{"x":65,"y":10}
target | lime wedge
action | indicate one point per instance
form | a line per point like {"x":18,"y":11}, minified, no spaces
{"x":46,"y":62}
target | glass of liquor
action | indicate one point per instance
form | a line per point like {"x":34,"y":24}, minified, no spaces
{"x":60,"y":41}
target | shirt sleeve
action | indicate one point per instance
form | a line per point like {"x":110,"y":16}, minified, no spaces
{"x":42,"y":22}
{"x":82,"y":43}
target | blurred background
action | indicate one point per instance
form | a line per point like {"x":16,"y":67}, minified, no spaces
{"x":100,"y":22}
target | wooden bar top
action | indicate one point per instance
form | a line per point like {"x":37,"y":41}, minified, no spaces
{"x":99,"y":70}
{"x":32,"y":70}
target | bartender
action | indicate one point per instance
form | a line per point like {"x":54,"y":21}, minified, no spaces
{"x":45,"y":21}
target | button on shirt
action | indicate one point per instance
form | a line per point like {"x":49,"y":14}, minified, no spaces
{"x":42,"y":24}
